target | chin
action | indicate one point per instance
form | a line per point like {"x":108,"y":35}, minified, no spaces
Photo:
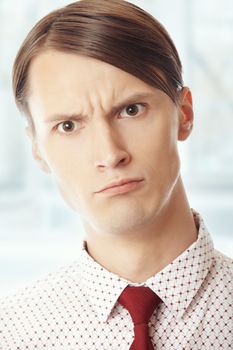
{"x":123,"y":219}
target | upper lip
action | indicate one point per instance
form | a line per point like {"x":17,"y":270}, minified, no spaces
{"x":119,"y":183}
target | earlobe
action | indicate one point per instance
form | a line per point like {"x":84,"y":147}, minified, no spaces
{"x":36,"y":155}
{"x":28,"y":131}
{"x":42,"y":163}
{"x":186,"y":115}
{"x":35,"y":151}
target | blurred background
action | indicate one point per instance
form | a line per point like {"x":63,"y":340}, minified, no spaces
{"x":38,"y":232}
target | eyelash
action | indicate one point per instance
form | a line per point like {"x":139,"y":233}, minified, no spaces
{"x":78,"y":120}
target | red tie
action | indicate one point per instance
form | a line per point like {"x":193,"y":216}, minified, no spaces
{"x":140,"y":302}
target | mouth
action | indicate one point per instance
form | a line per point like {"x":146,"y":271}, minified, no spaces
{"x":122,"y":186}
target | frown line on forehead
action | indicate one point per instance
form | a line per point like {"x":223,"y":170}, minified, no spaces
{"x":133,"y":98}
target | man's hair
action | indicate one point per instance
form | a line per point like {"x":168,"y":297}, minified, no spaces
{"x":113,"y":31}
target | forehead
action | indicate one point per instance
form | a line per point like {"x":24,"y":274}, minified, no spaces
{"x":53,"y":69}
{"x":63,"y":81}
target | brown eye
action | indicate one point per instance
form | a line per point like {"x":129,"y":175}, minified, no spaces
{"x":133,"y":109}
{"x":67,"y":126}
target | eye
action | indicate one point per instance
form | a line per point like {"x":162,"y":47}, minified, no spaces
{"x":68,"y":126}
{"x":133,"y":109}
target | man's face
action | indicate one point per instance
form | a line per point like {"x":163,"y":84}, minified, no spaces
{"x":99,"y":144}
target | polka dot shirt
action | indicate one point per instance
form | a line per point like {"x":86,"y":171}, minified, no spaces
{"x":76,"y":308}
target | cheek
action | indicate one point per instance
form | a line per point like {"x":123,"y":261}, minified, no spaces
{"x":69,"y":173}
{"x":160,"y":154}
{"x":64,"y":159}
{"x":159,"y":141}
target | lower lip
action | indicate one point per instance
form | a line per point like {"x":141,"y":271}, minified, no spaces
{"x":129,"y":186}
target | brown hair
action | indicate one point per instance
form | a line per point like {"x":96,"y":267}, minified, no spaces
{"x":113,"y":31}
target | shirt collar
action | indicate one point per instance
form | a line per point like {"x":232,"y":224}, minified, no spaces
{"x":102,"y":287}
{"x":176,"y":284}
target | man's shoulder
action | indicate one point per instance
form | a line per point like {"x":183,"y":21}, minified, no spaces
{"x":32,"y":311}
{"x":224,"y":260}
{"x":46,"y":288}
{"x":224,"y":265}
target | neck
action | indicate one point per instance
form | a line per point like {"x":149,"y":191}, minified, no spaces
{"x":138,"y":257}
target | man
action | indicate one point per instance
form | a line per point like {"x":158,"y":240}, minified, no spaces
{"x":101,"y":86}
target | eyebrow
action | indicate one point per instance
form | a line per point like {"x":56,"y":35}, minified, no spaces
{"x":136,"y":97}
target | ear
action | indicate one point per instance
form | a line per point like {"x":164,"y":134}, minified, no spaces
{"x":35,"y":151}
{"x":185,"y":114}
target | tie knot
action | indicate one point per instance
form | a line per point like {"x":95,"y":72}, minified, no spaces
{"x":140,"y":302}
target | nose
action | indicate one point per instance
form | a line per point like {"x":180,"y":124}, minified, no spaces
{"x":109,"y":147}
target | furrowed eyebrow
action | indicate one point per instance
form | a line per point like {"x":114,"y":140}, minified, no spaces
{"x":66,"y":116}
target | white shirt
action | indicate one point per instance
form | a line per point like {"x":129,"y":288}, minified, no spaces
{"x":77,"y":309}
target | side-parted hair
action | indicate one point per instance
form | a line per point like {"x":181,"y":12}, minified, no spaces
{"x":113,"y":31}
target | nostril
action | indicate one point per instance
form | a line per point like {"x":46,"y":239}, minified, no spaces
{"x":116,"y":158}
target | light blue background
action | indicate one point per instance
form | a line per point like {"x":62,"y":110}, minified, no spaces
{"x":38,"y":232}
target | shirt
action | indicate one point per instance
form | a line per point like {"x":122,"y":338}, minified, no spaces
{"x":76,"y":308}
